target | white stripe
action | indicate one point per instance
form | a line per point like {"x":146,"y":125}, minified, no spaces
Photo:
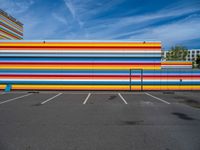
{"x":87,"y":41}
{"x":73,"y":51}
{"x":122,"y":98}
{"x":15,"y":98}
{"x":51,"y":98}
{"x":157,"y":98}
{"x":85,"y":101}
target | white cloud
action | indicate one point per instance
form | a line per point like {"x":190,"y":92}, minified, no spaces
{"x":117,"y":26}
{"x":16,"y":6}
{"x":60,"y":18}
{"x":147,"y":26}
{"x":69,"y":4}
{"x":173,"y":33}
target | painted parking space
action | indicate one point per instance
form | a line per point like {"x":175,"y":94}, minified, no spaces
{"x":187,"y":98}
{"x":25,"y":99}
{"x":7,"y":96}
{"x":70,"y":99}
{"x":106,"y":98}
{"x":143,"y":98}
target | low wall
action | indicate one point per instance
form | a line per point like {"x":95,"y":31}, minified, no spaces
{"x":176,"y":64}
{"x":164,"y":79}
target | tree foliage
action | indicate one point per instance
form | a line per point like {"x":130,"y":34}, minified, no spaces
{"x":198,"y":61}
{"x":177,"y":53}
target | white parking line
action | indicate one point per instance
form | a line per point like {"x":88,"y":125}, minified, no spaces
{"x":51,"y":98}
{"x":85,"y":101}
{"x":157,"y":98}
{"x":122,"y":98}
{"x":15,"y":98}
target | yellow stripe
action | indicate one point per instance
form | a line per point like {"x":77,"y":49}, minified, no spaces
{"x":171,"y":87}
{"x":181,"y":63}
{"x":100,"y":87}
{"x":69,"y":87}
{"x":2,"y":87}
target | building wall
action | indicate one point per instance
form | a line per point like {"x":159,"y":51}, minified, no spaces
{"x":75,"y":65}
{"x":10,"y":28}
{"x":192,"y":54}
{"x":28,"y":65}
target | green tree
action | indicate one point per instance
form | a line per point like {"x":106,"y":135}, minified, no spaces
{"x":177,"y":53}
{"x":198,"y":61}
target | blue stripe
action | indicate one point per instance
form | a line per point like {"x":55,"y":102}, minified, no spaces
{"x":81,"y":59}
{"x":100,"y":82}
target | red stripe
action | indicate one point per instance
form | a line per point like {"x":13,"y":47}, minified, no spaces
{"x":84,"y":47}
{"x":19,"y":75}
{"x":103,"y":76}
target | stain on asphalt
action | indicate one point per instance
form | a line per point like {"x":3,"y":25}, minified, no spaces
{"x":35,"y":92}
{"x":192,"y":103}
{"x":183,"y":116}
{"x":168,"y":92}
{"x":131,"y":123}
{"x":28,"y":147}
{"x":112,"y":97}
{"x":188,"y":101}
{"x":38,"y":104}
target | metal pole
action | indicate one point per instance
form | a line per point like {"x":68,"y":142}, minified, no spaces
{"x":141,"y":79}
{"x":130,"y":80}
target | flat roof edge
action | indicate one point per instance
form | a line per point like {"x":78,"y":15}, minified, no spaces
{"x":1,"y":41}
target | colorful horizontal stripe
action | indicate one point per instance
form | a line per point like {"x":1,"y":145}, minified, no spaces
{"x":176,"y":64}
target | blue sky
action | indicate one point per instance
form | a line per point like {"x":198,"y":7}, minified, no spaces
{"x":171,"y":21}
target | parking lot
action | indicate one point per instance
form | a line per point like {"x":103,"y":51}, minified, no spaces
{"x":99,"y":120}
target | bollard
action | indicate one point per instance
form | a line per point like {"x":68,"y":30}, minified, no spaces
{"x":8,"y":88}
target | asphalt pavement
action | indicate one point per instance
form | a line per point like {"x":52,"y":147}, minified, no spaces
{"x":89,"y":120}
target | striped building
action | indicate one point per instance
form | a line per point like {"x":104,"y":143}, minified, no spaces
{"x":86,"y":65}
{"x":10,"y":28}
